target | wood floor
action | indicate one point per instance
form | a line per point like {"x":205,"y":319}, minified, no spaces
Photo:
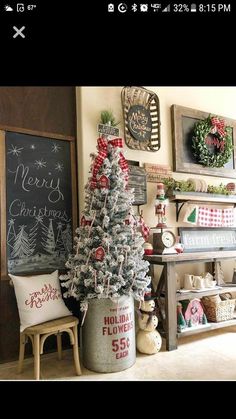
{"x":207,"y":356}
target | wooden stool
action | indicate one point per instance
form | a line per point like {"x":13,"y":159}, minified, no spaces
{"x":39,"y":333}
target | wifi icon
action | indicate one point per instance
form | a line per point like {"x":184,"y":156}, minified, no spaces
{"x":8,"y":8}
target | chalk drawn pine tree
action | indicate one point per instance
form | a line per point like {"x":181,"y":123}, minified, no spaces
{"x":36,"y":236}
{"x":21,"y":248}
{"x":48,"y":242}
{"x":11,"y":234}
{"x":60,"y":248}
{"x":67,"y":238}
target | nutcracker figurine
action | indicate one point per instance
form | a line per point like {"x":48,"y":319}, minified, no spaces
{"x":160,"y":206}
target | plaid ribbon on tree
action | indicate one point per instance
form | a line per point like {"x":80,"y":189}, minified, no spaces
{"x":145,"y":230}
{"x":102,"y":154}
{"x":218,"y":125}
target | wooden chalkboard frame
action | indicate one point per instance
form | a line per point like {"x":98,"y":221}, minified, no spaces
{"x":181,"y":149}
{"x":209,"y":230}
{"x":3,"y":212}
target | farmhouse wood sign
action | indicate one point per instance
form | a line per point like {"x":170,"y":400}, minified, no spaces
{"x":207,"y":239}
{"x":38,"y":204}
{"x":108,"y":130}
{"x":156,"y":172}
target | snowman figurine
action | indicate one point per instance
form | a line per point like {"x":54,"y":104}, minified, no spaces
{"x":148,"y":340}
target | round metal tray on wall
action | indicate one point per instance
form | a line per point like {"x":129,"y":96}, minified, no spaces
{"x":141,"y":111}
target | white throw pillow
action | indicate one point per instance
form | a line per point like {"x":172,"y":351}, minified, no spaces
{"x":39,"y":299}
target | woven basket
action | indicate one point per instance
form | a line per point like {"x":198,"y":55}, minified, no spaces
{"x":220,"y":311}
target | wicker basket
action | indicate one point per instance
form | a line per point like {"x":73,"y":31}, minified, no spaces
{"x":220,"y":311}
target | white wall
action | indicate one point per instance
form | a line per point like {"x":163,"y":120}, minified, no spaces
{"x":92,"y":100}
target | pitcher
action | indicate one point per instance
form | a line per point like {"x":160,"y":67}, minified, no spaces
{"x":188,"y":282}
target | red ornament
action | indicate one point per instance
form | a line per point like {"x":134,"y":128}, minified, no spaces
{"x":130,"y":220}
{"x":82,"y":221}
{"x":148,"y":248}
{"x":103,"y":182}
{"x":99,"y":253}
{"x":85,"y":221}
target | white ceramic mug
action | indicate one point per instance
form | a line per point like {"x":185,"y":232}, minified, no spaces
{"x":210,"y":283}
{"x":198,"y":282}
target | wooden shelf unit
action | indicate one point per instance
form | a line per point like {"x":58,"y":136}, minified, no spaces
{"x":210,"y":325}
{"x":167,"y":281}
{"x":191,"y":295}
{"x":206,"y":327}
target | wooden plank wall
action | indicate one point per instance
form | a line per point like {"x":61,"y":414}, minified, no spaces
{"x":43,"y":109}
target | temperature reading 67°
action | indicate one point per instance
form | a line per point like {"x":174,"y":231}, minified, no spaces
{"x":31,"y":7}
{"x":181,"y":8}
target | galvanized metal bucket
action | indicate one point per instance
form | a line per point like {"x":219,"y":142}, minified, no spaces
{"x":108,"y":335}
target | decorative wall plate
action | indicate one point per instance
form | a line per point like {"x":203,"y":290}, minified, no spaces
{"x":142,"y":118}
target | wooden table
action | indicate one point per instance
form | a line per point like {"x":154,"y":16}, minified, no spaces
{"x":167,"y":280}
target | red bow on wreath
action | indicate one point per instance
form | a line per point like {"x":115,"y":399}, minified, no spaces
{"x":102,"y":154}
{"x":218,"y":125}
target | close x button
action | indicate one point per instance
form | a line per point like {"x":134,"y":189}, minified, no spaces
{"x":19,"y":32}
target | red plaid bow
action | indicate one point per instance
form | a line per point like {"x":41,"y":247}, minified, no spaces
{"x":102,"y":154}
{"x":218,"y":125}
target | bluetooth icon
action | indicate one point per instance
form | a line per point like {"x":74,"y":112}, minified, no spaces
{"x":134,"y":7}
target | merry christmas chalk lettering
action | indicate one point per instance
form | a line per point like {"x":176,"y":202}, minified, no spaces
{"x":18,"y":208}
{"x":27,"y":182}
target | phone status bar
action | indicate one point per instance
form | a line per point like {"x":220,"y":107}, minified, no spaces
{"x":158,"y":8}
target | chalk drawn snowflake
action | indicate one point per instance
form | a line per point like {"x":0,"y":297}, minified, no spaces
{"x":55,"y":148}
{"x":40,"y":163}
{"x":59,"y":167}
{"x":14,"y":150}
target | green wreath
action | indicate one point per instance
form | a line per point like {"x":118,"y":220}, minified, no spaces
{"x":221,"y":139}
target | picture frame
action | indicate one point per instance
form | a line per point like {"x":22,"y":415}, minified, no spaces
{"x":206,"y":239}
{"x":38,"y":200}
{"x":183,"y":121}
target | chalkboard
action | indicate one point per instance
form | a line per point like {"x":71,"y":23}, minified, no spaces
{"x":39,"y":215}
{"x":207,"y":239}
{"x":139,"y":122}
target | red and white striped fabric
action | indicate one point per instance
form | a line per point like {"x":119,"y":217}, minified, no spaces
{"x":227,"y":217}
{"x":209,"y":217}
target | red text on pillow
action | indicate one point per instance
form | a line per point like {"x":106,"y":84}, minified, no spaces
{"x":37,"y":298}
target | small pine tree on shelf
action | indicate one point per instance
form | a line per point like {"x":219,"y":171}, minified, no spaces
{"x":108,"y":252}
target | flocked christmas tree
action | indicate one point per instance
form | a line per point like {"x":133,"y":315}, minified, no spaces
{"x":108,"y":252}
